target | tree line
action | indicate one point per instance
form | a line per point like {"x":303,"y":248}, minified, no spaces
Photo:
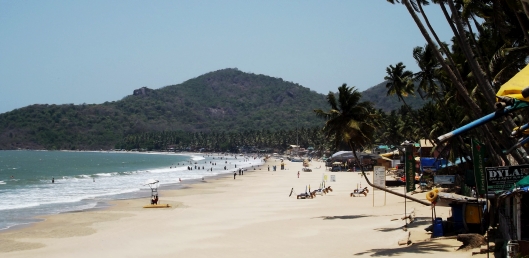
{"x":222,"y":141}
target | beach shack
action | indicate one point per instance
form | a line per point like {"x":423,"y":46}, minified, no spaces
{"x":469,"y":214}
{"x":513,"y":217}
{"x":293,"y":150}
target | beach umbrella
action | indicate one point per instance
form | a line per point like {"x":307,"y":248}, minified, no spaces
{"x":513,"y":88}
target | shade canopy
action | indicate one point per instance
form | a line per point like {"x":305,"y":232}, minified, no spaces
{"x":513,"y":88}
{"x":524,"y":182}
{"x":343,"y":155}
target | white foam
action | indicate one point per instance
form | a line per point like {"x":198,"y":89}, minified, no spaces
{"x":103,"y":185}
{"x":103,"y":174}
{"x":193,"y":157}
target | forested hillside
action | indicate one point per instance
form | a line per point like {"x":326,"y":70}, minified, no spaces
{"x":378,"y":96}
{"x":226,"y":100}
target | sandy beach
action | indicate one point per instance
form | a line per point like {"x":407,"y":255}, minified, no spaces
{"x":250,"y":216}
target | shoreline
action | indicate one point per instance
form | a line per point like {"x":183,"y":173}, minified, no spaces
{"x":249,"y":216}
{"x":103,"y":201}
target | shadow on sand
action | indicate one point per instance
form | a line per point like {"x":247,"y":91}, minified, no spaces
{"x":414,"y":249}
{"x":417,"y":223}
{"x":343,"y":217}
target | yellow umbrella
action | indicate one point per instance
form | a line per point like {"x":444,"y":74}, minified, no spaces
{"x":513,"y":88}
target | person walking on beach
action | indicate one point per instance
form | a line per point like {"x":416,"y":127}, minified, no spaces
{"x":234,"y":175}
{"x":298,"y":174}
{"x":268,"y":167}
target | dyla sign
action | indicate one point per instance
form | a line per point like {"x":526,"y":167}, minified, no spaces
{"x":503,"y":178}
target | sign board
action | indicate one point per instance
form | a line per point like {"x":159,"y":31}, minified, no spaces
{"x":333,"y":178}
{"x":444,"y":179}
{"x":503,"y":178}
{"x":379,"y":176}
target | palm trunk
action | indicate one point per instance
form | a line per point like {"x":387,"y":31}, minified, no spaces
{"x":443,"y":47}
{"x":352,"y":146}
{"x":426,"y":135}
{"x":484,"y":84}
{"x":476,"y":110}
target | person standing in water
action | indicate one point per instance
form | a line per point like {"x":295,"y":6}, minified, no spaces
{"x":53,"y":180}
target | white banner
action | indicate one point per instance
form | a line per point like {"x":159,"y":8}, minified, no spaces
{"x":379,"y":176}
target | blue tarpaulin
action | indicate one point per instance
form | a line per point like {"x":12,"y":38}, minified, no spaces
{"x":457,"y":162}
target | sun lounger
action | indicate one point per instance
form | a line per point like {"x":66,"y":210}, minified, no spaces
{"x":360,"y":192}
{"x":304,"y":196}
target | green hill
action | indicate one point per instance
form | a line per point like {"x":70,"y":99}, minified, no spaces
{"x":378,"y":96}
{"x":226,"y":100}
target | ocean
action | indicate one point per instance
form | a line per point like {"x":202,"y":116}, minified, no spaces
{"x":35,"y":183}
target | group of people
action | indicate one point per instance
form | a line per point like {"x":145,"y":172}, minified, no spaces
{"x":241,"y":172}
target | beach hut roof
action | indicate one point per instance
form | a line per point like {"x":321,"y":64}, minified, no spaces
{"x":343,"y":154}
{"x":349,"y":155}
{"x":521,"y":186}
{"x":388,"y":154}
{"x":522,"y":183}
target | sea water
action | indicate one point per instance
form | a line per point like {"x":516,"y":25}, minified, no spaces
{"x":34,"y":183}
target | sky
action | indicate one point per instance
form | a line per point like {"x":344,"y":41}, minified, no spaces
{"x":93,"y":51}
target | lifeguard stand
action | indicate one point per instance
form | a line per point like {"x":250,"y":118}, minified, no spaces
{"x":153,"y":184}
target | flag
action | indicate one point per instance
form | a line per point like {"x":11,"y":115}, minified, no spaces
{"x":478,"y":153}
{"x":410,"y":170}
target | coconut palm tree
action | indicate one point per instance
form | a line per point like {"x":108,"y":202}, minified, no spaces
{"x":479,"y":77}
{"x":354,"y":123}
{"x":399,"y":81}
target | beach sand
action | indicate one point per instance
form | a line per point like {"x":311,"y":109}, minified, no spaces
{"x":251,"y":216}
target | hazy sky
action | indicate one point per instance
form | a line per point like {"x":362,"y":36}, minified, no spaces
{"x":91,"y":51}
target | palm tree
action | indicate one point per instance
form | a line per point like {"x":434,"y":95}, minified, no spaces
{"x":479,"y":77}
{"x":354,"y":123}
{"x":429,"y":66}
{"x":399,"y":81}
